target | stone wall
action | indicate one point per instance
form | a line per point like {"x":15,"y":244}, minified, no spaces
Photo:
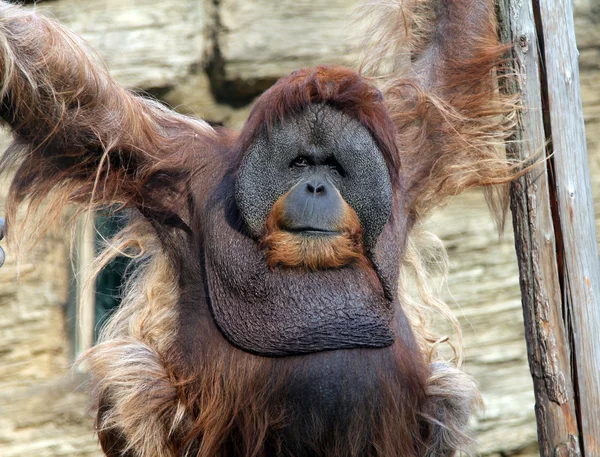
{"x":210,"y":58}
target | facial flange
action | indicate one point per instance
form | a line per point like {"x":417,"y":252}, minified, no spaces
{"x":323,"y":149}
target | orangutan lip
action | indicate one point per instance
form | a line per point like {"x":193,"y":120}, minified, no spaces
{"x":311,"y":231}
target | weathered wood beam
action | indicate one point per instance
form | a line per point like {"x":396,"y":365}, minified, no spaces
{"x":554,"y":228}
{"x":85,"y":292}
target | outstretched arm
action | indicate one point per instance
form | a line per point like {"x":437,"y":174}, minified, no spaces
{"x":442,"y":92}
{"x":79,"y":136}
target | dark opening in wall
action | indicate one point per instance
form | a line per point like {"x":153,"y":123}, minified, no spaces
{"x":87,"y":310}
{"x":109,"y":282}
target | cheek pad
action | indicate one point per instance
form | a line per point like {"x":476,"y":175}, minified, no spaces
{"x":367,"y":188}
{"x":373,"y":204}
{"x":260,"y":182}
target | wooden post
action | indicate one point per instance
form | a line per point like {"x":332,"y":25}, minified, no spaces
{"x":85,"y":292}
{"x":554,"y":228}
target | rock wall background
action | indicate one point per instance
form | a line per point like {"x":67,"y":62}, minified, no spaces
{"x":211,"y":58}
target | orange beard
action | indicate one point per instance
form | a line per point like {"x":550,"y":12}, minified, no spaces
{"x":312,"y":252}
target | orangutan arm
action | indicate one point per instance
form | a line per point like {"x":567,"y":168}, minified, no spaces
{"x":79,"y":136}
{"x":442,"y":92}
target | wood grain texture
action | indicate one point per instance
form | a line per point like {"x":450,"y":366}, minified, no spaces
{"x":555,"y":231}
{"x":545,"y":332}
{"x":575,"y":208}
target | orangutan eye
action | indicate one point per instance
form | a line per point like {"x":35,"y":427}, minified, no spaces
{"x":334,"y":167}
{"x":300,"y":161}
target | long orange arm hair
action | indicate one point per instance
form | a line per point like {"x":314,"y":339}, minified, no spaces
{"x":79,"y":136}
{"x":440,"y":63}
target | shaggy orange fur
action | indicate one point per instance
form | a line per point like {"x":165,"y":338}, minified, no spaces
{"x":439,"y":75}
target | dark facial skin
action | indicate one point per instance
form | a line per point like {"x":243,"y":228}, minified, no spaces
{"x":289,"y":311}
{"x":313,"y":207}
{"x":323,"y":147}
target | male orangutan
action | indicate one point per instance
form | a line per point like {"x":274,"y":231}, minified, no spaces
{"x":264,"y":318}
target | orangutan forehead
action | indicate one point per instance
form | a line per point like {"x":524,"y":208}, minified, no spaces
{"x":320,"y":126}
{"x":320,"y":116}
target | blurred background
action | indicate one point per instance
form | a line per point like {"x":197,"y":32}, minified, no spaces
{"x":211,"y":58}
